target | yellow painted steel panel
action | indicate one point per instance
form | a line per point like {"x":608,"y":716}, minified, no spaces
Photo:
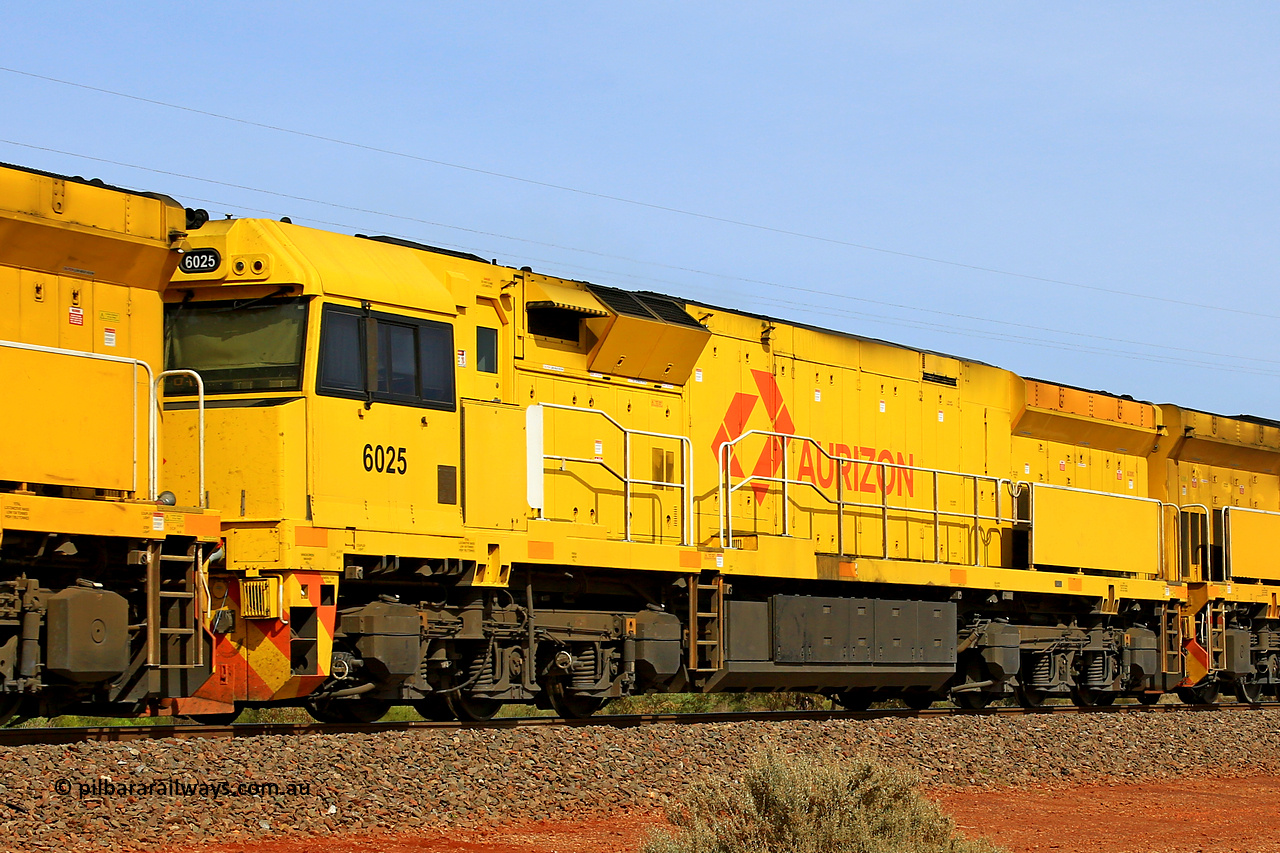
{"x":1092,"y":531}
{"x":322,"y":263}
{"x":388,"y":467}
{"x":542,"y":292}
{"x":255,"y":463}
{"x":76,"y":426}
{"x":1253,"y":542}
{"x":494,"y":469}
{"x":103,"y":518}
{"x":253,"y":547}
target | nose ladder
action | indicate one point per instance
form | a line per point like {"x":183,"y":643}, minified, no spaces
{"x":706,"y":623}
{"x":173,"y":607}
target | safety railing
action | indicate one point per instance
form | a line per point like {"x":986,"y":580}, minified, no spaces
{"x":1205,"y":527}
{"x":538,"y":457}
{"x":1186,"y":545}
{"x":973,"y":520}
{"x":153,"y":386}
{"x":152,"y":448}
{"x":202,"y":499}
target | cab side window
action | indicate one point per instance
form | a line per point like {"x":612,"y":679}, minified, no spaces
{"x":377,"y":357}
{"x":341,"y":352}
{"x":486,"y":350}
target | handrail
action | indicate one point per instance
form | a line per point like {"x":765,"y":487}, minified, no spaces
{"x":726,"y":489}
{"x":686,"y":465}
{"x":152,"y":451}
{"x":1164,"y":546}
{"x":202,"y":498}
{"x":1207,"y":566}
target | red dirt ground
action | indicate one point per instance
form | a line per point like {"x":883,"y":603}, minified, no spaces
{"x":1179,"y":816}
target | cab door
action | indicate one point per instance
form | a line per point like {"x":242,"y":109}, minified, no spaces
{"x":385,"y":437}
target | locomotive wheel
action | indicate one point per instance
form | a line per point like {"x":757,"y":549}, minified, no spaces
{"x":855,"y":699}
{"x":1029,"y":697}
{"x":972,"y":700}
{"x":571,"y":706}
{"x":1248,"y":691}
{"x":1088,"y":697}
{"x":435,"y":708}
{"x":1202,"y":694}
{"x":470,"y":708}
{"x":919,"y":700}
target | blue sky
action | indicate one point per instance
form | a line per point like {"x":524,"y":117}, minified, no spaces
{"x":1095,"y":183}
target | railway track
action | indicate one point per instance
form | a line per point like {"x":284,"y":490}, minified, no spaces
{"x":68,"y":734}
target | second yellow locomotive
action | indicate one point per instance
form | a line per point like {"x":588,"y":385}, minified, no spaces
{"x":102,"y":603}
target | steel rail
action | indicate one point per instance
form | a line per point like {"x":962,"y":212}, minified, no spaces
{"x":65,"y":735}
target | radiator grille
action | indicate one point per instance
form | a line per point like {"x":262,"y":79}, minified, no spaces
{"x":259,"y":598}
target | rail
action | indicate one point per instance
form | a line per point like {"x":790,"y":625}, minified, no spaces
{"x":121,"y":734}
{"x":974,"y":519}
{"x":537,"y":451}
{"x":152,"y":448}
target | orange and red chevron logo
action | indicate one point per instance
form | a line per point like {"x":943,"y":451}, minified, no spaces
{"x":735,"y":424}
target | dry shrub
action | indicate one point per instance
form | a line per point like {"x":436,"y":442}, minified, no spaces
{"x":804,"y":804}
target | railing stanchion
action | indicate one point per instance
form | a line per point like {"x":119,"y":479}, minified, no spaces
{"x":786,"y":502}
{"x":977,"y":525}
{"x":884,"y":510}
{"x":937,"y":523}
{"x":840,"y":507}
{"x":728,"y":494}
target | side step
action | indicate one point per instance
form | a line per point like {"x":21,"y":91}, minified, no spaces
{"x":706,"y":623}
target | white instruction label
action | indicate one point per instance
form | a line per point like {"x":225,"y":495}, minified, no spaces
{"x":599,"y":450}
{"x":817,"y":395}
{"x":108,"y":337}
{"x":697,"y":374}
{"x":462,"y":358}
{"x":157,"y":522}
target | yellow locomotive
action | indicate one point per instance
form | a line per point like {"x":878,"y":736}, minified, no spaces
{"x":101,"y":593}
{"x":455,"y":484}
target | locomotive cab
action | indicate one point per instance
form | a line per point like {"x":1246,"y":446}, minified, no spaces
{"x":332,"y":370}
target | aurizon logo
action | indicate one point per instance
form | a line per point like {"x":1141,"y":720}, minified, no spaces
{"x":864,"y":475}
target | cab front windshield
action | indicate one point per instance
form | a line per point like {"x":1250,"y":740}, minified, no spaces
{"x":236,"y":346}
